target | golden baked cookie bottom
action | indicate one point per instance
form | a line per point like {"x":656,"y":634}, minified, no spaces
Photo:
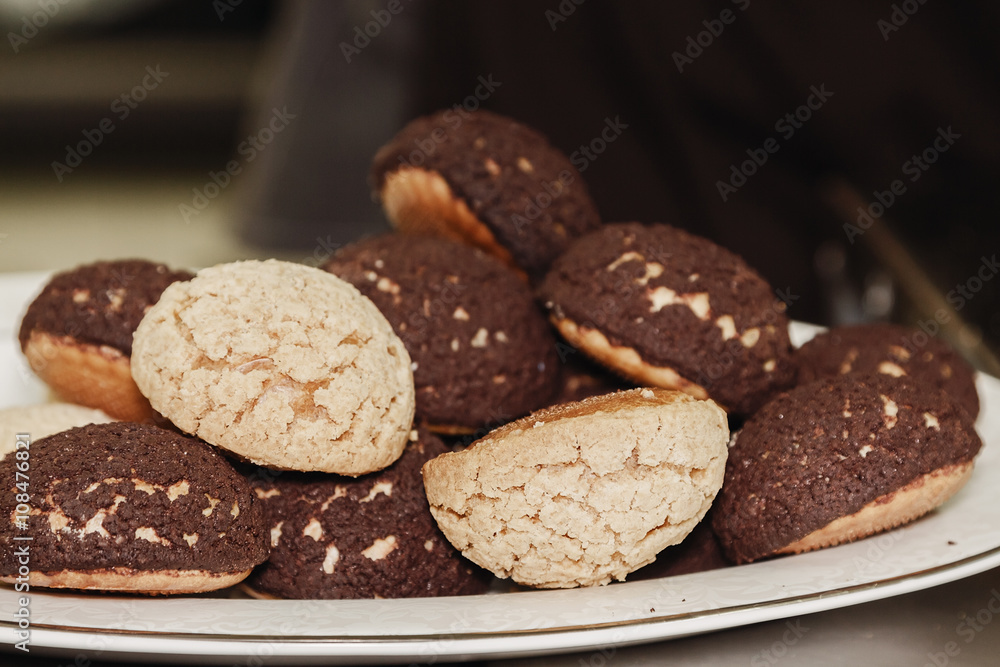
{"x":128,"y":580}
{"x":900,"y":507}
{"x":419,"y":201}
{"x":625,"y":360}
{"x":94,"y":376}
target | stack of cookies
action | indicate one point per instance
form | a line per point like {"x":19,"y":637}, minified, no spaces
{"x":503,"y":387}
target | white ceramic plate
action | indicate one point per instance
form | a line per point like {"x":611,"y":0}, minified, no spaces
{"x":959,"y":540}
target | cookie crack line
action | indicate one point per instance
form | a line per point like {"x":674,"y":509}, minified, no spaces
{"x":306,"y":349}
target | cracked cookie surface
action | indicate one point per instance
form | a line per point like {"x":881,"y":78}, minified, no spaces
{"x":282,"y":364}
{"x":582,"y":493}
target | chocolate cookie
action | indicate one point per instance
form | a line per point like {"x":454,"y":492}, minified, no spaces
{"x":77,"y":333}
{"x":128,"y":507}
{"x":840,"y":459}
{"x":890,"y":349}
{"x":373,"y":536}
{"x":487,"y":180}
{"x":667,"y":308}
{"x":583,"y":493}
{"x":39,"y":421}
{"x":482,"y":350}
{"x":281,"y":364}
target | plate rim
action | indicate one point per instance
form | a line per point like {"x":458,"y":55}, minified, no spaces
{"x":137,"y":643}
{"x":477,"y":644}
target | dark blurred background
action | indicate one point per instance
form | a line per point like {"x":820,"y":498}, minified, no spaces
{"x":670,"y":108}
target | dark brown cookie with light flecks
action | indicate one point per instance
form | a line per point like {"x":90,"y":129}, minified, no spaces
{"x":373,"y":536}
{"x":481,"y":349}
{"x":486,"y":180}
{"x":130,"y":507}
{"x":667,"y":308}
{"x":77,"y":333}
{"x":43,"y":419}
{"x":840,"y":459}
{"x":890,"y":349}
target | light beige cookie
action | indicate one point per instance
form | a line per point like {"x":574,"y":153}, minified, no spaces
{"x":38,"y":421}
{"x":281,"y":364}
{"x":582,"y":493}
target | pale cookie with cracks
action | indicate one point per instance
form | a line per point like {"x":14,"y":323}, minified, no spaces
{"x":129,"y":507}
{"x":486,"y":180}
{"x":281,"y":364}
{"x":840,"y":459}
{"x":77,"y":333}
{"x":583,"y":493}
{"x":664,"y":307}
